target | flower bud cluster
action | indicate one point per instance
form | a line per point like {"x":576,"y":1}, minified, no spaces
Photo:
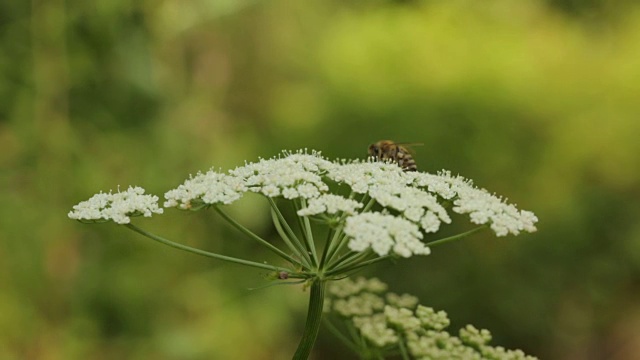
{"x":399,"y":322}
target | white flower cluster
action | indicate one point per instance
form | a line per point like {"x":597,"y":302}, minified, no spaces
{"x":364,"y":176}
{"x":472,"y":336}
{"x":404,"y":300}
{"x":481,"y":206}
{"x":330,"y":204}
{"x":375,"y":329}
{"x":298,"y":175}
{"x":401,"y":318}
{"x":415,"y":204}
{"x":383,"y":233}
{"x":118,"y":207}
{"x":349,"y":287}
{"x":362,"y":304}
{"x":209,"y":188}
{"x":432,"y":319}
{"x":385,"y":325}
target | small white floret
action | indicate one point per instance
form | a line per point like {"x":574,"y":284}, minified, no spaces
{"x":329,"y":204}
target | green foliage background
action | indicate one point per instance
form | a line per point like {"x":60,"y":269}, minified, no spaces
{"x":539,"y":101}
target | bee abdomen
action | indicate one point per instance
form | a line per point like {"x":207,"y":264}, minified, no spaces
{"x":405,"y":161}
{"x":407,"y":164}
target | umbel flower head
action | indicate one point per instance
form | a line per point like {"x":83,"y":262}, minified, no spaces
{"x":409,"y":204}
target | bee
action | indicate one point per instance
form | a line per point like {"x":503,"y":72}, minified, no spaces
{"x":386,"y":150}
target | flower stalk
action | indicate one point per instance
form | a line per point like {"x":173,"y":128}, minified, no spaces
{"x":202,"y":252}
{"x":455,"y":237}
{"x":255,"y":237}
{"x":314,"y":319}
{"x":293,"y":244}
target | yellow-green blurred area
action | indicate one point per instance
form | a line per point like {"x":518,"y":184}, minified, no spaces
{"x":537,"y":101}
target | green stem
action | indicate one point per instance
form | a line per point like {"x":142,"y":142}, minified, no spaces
{"x":303,"y":229}
{"x":342,"y":337}
{"x":360,"y":341}
{"x":283,"y":221}
{"x":341,"y":242}
{"x":288,"y":230}
{"x":455,"y":237}
{"x":295,"y":248}
{"x":369,"y":204}
{"x":257,"y":238}
{"x":307,"y":229}
{"x":336,"y":241}
{"x":403,"y":349}
{"x":355,"y":264}
{"x":327,"y":243}
{"x":314,"y":319}
{"x":347,"y":257}
{"x":202,"y":252}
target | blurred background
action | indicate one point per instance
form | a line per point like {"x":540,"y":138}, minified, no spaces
{"x":538,"y":101}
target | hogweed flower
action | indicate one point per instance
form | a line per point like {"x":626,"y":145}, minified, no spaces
{"x":371,"y":211}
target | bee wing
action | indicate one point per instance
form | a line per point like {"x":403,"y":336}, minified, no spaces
{"x":408,"y":146}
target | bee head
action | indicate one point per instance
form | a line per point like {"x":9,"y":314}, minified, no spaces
{"x":374,"y":149}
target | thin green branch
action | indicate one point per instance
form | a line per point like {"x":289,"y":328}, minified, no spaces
{"x":257,"y":238}
{"x":337,"y":242}
{"x":356,"y":264}
{"x":282,"y":220}
{"x":342,"y":337}
{"x":202,"y":252}
{"x":355,"y":335}
{"x":403,"y":349}
{"x":347,"y":257}
{"x":305,"y":228}
{"x":295,"y":247}
{"x":288,"y":229}
{"x":307,"y":225}
{"x":325,"y":249}
{"x":455,"y":237}
{"x":341,"y":243}
{"x":369,"y":205}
